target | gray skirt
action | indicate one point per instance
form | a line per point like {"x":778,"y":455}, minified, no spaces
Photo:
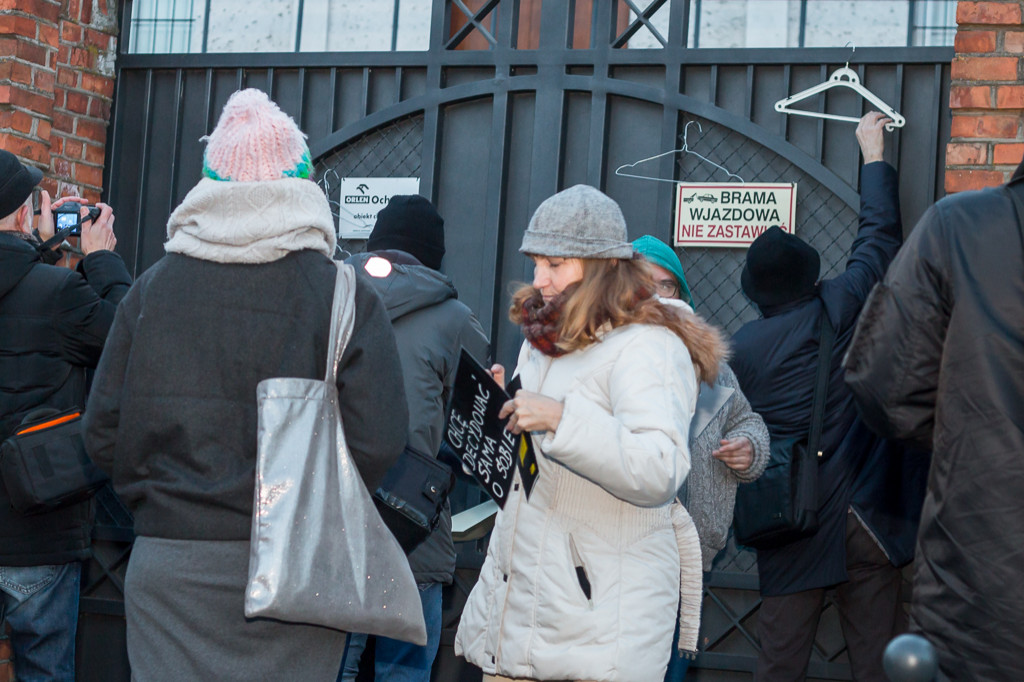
{"x":184,"y":603}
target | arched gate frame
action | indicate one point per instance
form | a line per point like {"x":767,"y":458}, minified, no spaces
{"x":493,"y":132}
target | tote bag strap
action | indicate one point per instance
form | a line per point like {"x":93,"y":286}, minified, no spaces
{"x":826,"y":338}
{"x":343,"y":315}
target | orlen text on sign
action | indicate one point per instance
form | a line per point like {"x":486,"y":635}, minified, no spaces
{"x":363,"y":198}
{"x":730,"y":214}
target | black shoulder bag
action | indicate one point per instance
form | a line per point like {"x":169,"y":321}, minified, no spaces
{"x":411,"y":497}
{"x":782,"y":505}
{"x":44,"y":464}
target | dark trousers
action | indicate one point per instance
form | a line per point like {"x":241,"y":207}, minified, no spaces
{"x":870,"y":613}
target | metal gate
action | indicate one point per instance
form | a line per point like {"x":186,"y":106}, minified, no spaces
{"x":491,"y":133}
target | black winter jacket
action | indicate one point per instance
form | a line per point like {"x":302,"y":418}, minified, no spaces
{"x":775,"y":360}
{"x":172,"y":415}
{"x":431,"y":326}
{"x":53,"y":323}
{"x":939,"y":359}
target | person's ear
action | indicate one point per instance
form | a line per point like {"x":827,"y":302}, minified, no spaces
{"x":23,"y":219}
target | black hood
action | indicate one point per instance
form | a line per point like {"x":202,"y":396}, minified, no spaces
{"x":407,"y":288}
{"x":17,"y":256}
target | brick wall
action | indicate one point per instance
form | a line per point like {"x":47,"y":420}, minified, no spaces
{"x":986,"y":95}
{"x":56,"y":85}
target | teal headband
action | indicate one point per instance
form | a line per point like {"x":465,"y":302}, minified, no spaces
{"x":661,"y":254}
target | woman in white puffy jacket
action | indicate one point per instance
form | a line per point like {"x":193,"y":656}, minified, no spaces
{"x":582,"y":581}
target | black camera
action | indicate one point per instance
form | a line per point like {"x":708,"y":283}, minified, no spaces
{"x":68,"y":215}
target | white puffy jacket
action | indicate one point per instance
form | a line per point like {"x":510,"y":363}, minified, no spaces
{"x":600,"y":505}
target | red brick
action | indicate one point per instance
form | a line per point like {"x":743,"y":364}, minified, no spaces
{"x":49,"y":35}
{"x":43,"y":80}
{"x":64,"y":54}
{"x":961,"y":180}
{"x":1013,"y":41}
{"x":32,"y":150}
{"x":74,"y":9}
{"x":1010,"y":97}
{"x":43,"y":9}
{"x":77,"y":103}
{"x":67,"y":77}
{"x":95,"y":153}
{"x":62,"y":168}
{"x":974,"y":41}
{"x":31,"y":52}
{"x":970,"y":97}
{"x":98,"y":84}
{"x":1008,"y":153}
{"x":70,"y":32}
{"x":84,"y":59}
{"x":63,"y":122}
{"x":984,"y":68}
{"x":43,"y":129}
{"x":991,"y":126}
{"x":20,"y":72}
{"x":73,"y":148}
{"x":966,"y":154}
{"x":89,"y":175}
{"x":14,"y":24}
{"x":96,"y":38}
{"x":988,"y":12}
{"x":60,"y":98}
{"x":20,"y":121}
{"x":91,"y":130}
{"x":99,"y":108}
{"x":56,"y":145}
{"x":41,"y":104}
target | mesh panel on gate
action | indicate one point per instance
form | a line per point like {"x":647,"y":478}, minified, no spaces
{"x":393,"y":150}
{"x":822,"y":219}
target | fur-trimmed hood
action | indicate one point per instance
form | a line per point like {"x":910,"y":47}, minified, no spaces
{"x":706,"y":342}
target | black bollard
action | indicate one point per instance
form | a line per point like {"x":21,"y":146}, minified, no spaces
{"x":910,"y":658}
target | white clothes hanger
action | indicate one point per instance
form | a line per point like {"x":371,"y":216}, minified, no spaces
{"x":684,"y":149}
{"x":842,"y":77}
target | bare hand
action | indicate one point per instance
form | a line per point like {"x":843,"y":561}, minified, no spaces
{"x":98,"y":235}
{"x":45,"y":224}
{"x":735,"y":453}
{"x":529,"y":411}
{"x":497,"y":372}
{"x":870,"y":135}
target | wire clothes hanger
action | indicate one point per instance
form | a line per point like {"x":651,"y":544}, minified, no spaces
{"x":842,"y":77}
{"x":685,"y":149}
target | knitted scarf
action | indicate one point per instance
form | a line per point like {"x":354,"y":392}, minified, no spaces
{"x":541,"y":323}
{"x":251,"y":222}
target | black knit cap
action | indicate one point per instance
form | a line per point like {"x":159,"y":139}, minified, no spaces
{"x":16,"y":183}
{"x":780,"y":268}
{"x":410,"y":223}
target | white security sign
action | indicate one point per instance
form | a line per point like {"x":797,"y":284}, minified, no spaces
{"x":729,"y":214}
{"x":362,"y":198}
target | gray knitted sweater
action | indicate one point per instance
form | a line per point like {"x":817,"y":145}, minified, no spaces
{"x":709,"y":493}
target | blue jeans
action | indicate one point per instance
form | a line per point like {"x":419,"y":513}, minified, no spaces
{"x":41,"y":605}
{"x":397,"y":661}
{"x":677,"y":663}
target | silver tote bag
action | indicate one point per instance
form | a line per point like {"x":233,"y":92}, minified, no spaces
{"x":319,"y":552}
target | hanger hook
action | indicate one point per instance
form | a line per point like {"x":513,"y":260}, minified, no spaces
{"x":853,"y":51}
{"x":686,"y":132}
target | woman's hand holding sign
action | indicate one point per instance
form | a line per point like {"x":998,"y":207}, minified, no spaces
{"x":529,"y":411}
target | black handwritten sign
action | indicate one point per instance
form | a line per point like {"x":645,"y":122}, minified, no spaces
{"x":475,"y":433}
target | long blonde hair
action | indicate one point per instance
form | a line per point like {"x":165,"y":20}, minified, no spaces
{"x":618,"y":292}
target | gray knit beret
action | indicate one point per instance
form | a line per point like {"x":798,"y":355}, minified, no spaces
{"x":579,"y":222}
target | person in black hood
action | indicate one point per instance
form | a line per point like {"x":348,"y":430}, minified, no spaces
{"x":869,"y":500}
{"x":53,"y":323}
{"x":431,"y":325}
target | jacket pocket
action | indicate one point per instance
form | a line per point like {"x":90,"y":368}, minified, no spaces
{"x":581,"y":572}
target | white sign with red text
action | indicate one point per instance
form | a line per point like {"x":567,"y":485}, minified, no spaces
{"x":729,"y":214}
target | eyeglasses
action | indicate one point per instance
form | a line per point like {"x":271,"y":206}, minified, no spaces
{"x":666,"y":288}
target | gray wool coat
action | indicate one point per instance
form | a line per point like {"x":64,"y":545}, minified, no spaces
{"x":709,"y":493}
